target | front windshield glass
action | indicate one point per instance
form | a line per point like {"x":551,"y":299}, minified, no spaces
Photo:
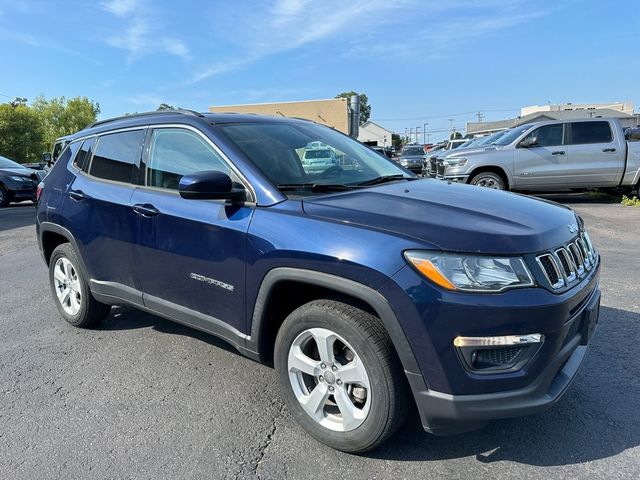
{"x":6,"y":163}
{"x":283,"y":152}
{"x":412,"y":151}
{"x":507,"y":138}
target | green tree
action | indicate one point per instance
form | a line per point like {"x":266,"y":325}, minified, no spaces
{"x":165,"y":106}
{"x":396,"y":141}
{"x":21,"y":133}
{"x":60,"y":116}
{"x":365,"y":108}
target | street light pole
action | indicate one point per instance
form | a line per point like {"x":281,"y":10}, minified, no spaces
{"x":424,"y":133}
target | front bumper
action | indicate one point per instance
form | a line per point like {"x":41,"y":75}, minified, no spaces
{"x":445,"y":414}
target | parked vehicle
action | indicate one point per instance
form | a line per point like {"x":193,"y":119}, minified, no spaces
{"x":430,"y":161}
{"x":411,"y":157}
{"x":318,"y":159}
{"x":368,"y":288}
{"x":386,"y":152}
{"x":51,"y":157}
{"x":551,"y":156}
{"x":17,"y":183}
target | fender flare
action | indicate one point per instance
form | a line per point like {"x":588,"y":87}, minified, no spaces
{"x":44,"y":227}
{"x":344,"y":285}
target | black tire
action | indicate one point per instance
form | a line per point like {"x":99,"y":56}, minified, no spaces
{"x":488,"y":180}
{"x":4,"y":197}
{"x":389,"y":394}
{"x":90,"y":311}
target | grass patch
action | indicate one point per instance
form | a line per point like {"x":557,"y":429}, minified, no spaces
{"x":630,"y":201}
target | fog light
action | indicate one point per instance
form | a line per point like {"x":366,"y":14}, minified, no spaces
{"x":499,"y":353}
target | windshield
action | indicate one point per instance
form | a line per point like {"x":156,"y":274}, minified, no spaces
{"x":406,"y":151}
{"x":507,"y":138}
{"x":317,"y":154}
{"x":6,"y":163}
{"x":280,"y":151}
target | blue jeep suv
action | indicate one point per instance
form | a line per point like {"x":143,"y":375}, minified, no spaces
{"x":367,"y":288}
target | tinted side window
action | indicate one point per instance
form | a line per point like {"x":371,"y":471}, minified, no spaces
{"x":116,"y":155}
{"x":82,"y":158}
{"x":590,"y":132}
{"x":175,"y":152}
{"x":547,"y":136}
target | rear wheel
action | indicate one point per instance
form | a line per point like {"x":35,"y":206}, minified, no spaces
{"x":71,"y":291}
{"x":341,"y":378}
{"x":4,"y":196}
{"x":488,"y":180}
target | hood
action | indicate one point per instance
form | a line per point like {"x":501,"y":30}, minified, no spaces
{"x":466,"y":151}
{"x":18,"y":171}
{"x":451,"y":216}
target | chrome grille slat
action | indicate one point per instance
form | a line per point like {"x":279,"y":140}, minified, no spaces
{"x":567,"y":264}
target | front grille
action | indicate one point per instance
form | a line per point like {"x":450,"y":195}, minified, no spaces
{"x":440,"y":168}
{"x":569,"y":263}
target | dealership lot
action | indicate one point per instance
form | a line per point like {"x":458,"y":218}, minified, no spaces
{"x":141,"y":397}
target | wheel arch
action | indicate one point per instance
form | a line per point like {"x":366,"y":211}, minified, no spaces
{"x":51,"y":235}
{"x":268,"y":316}
{"x":494,"y":169}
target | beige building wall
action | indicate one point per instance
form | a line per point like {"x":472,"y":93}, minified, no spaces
{"x":332,"y":112}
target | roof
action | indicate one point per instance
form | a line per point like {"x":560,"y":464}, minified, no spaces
{"x":369,"y":122}
{"x":544,"y":116}
{"x":177,"y":116}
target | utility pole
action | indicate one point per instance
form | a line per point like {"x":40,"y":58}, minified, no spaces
{"x":411,"y":135}
{"x":425,"y":135}
{"x":480,"y":117}
{"x":451,"y":124}
{"x":417,"y":134}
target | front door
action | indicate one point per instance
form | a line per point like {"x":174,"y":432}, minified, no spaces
{"x":190,"y":254}
{"x":543,"y":164}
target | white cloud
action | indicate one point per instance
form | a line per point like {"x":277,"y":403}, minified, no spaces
{"x":120,"y":8}
{"x":365,"y":27}
{"x":140,"y":34}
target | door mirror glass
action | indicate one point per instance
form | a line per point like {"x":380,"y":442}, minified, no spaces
{"x":209,"y":185}
{"x":46,"y":157}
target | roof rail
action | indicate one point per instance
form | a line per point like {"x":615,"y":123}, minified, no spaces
{"x":182,"y":111}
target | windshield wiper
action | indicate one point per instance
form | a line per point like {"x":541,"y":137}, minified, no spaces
{"x":314,"y":187}
{"x":384,"y":179}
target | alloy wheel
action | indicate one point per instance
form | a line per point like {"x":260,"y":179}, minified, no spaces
{"x":67,"y":286}
{"x":329,"y":379}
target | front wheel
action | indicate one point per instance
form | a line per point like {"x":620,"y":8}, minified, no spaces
{"x":4,"y":196}
{"x":488,"y":180}
{"x":340,"y":374}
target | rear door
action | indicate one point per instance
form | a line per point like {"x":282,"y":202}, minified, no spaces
{"x":594,"y":156}
{"x":190,"y":253}
{"x":98,"y":206}
{"x":543,"y":164}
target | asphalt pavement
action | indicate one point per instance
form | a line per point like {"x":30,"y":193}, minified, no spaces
{"x":141,"y":397}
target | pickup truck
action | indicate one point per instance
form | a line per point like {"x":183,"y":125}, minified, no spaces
{"x":551,"y":156}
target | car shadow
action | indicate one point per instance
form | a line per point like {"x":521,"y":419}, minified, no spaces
{"x":17,"y":215}
{"x":597,"y":418}
{"x":129,"y":318}
{"x":585,"y":197}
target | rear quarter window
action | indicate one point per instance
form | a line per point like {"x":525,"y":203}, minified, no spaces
{"x":84,"y":154}
{"x":117,"y":155}
{"x":590,"y":132}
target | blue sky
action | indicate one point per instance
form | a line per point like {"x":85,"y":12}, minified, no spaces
{"x":417,"y":60}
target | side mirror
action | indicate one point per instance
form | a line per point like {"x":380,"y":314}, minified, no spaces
{"x":529,"y":142}
{"x":209,"y":185}
{"x":46,"y":157}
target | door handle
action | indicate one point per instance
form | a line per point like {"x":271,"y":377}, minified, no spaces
{"x":146,"y":210}
{"x":606,"y":150}
{"x":76,"y":194}
{"x":558,"y":152}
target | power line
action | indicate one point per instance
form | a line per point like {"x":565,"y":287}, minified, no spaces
{"x":474,"y":112}
{"x":7,"y":96}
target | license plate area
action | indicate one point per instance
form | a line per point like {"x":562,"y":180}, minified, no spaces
{"x":589,"y":321}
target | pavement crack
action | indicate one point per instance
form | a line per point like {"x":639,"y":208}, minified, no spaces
{"x":264,"y":446}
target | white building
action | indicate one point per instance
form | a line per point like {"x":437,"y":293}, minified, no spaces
{"x":373,"y":134}
{"x":624,"y":107}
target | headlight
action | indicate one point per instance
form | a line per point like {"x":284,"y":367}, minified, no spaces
{"x":471,"y":273}
{"x":19,"y":179}
{"x":455,"y":162}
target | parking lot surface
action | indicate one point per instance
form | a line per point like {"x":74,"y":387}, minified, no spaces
{"x":141,"y":397}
